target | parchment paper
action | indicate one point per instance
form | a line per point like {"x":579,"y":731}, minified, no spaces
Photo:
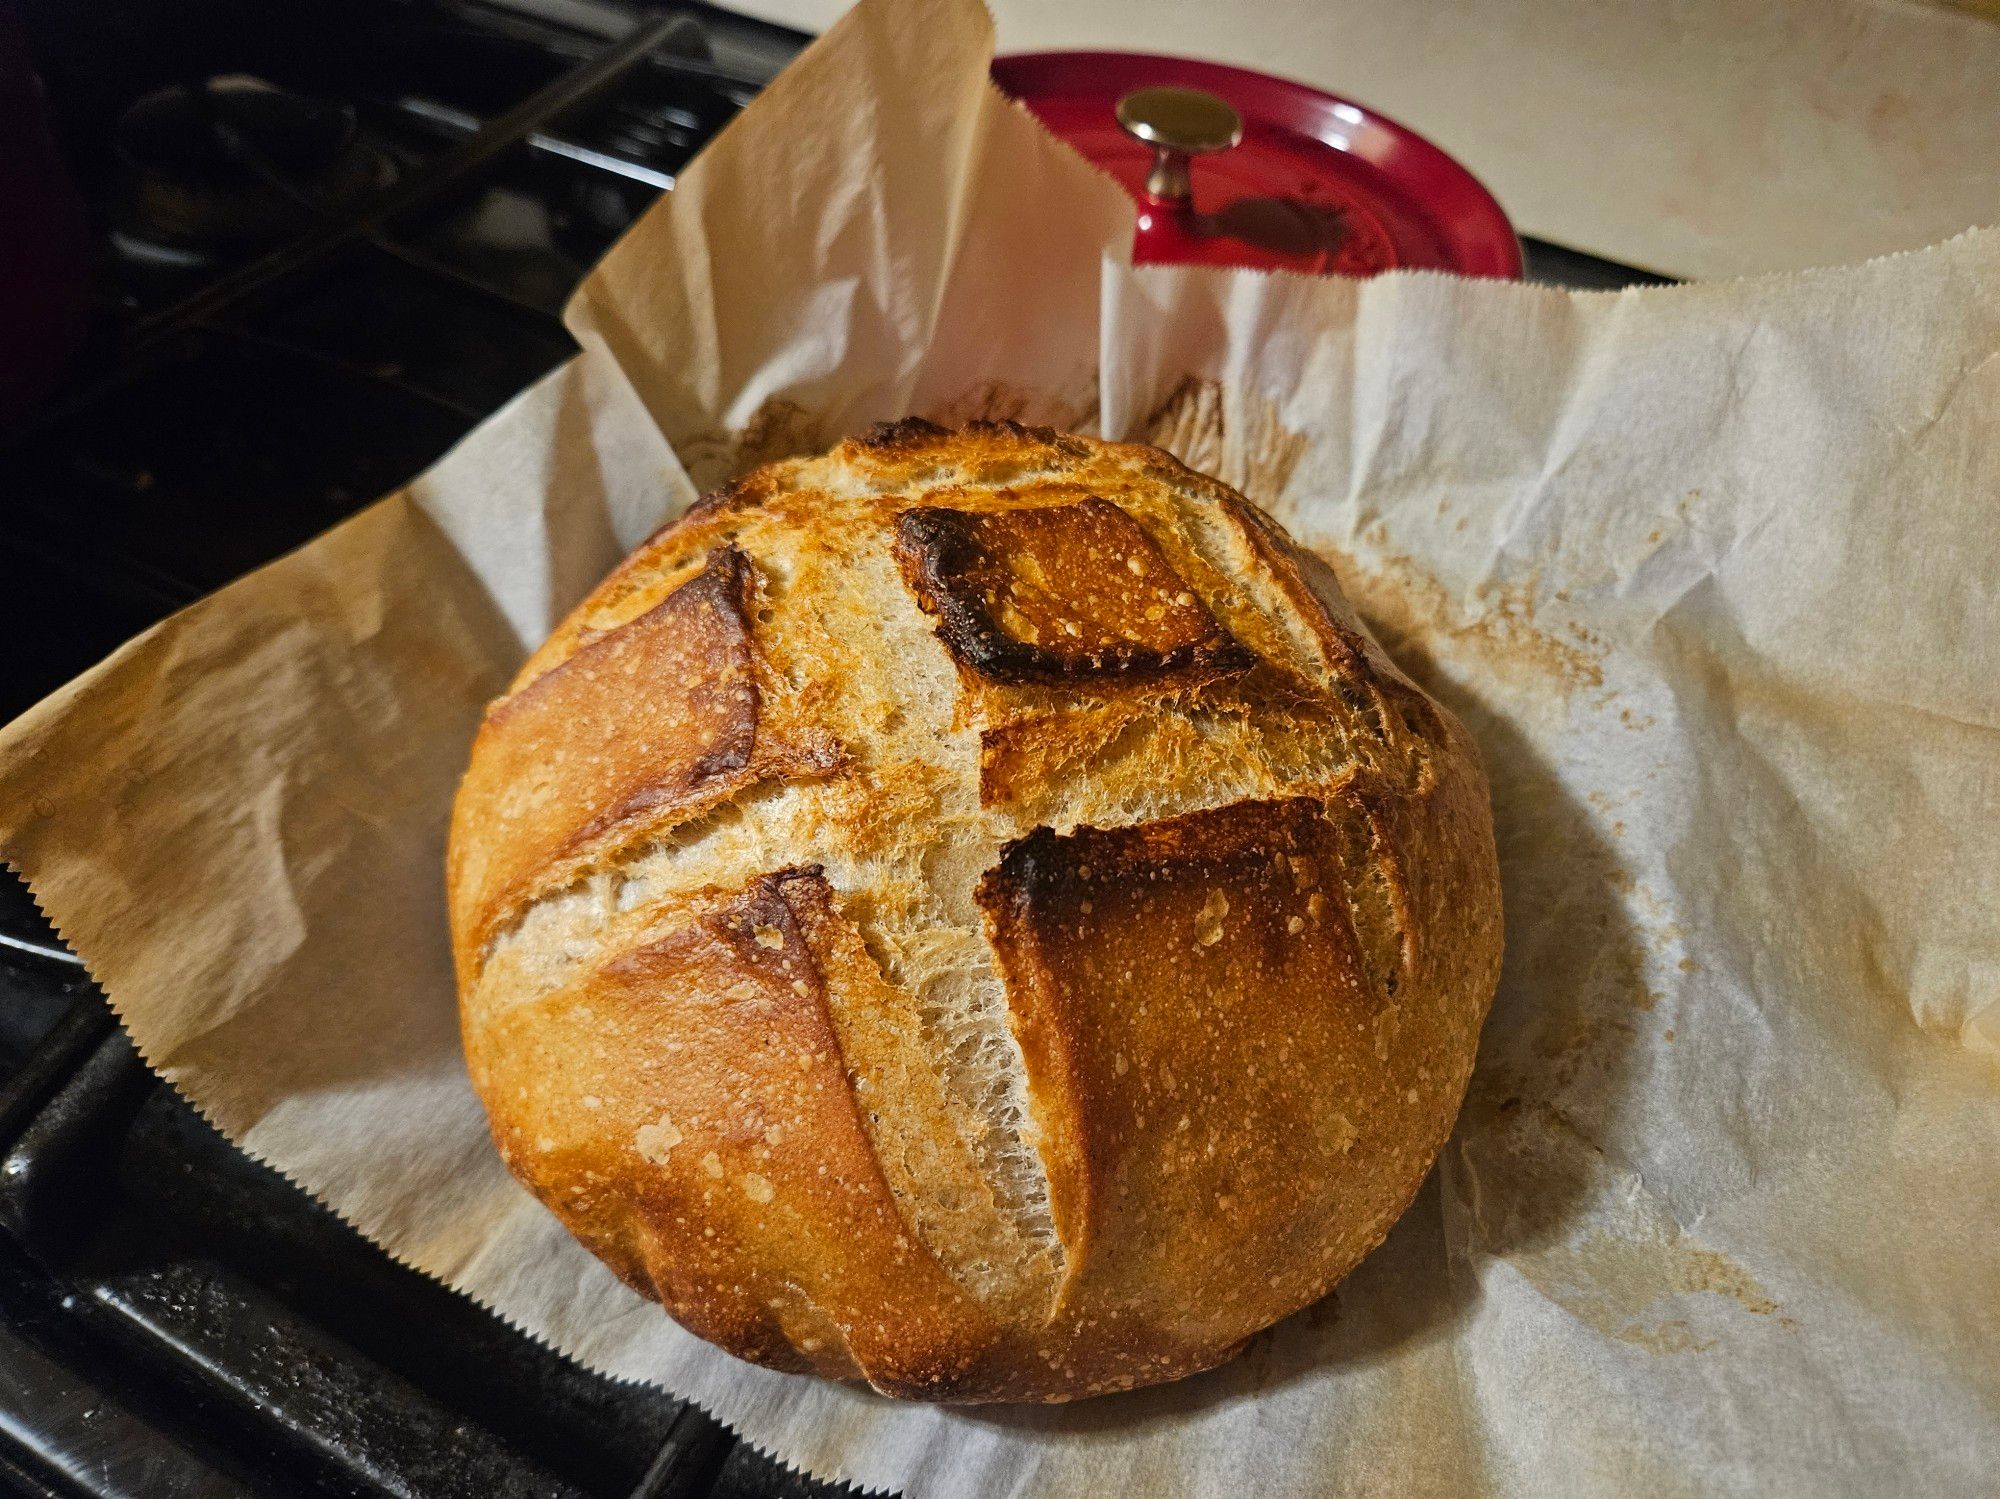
{"x":1708,"y":571}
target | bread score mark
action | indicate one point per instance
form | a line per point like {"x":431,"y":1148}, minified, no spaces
{"x":1122,"y":1094}
{"x":1059,"y":595}
{"x":664,"y":717}
{"x":751,"y":1238}
{"x":1186,"y":991}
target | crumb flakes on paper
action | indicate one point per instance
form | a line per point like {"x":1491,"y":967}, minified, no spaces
{"x":1411,"y":612}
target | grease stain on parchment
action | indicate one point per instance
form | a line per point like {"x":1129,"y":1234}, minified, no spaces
{"x":997,"y":401}
{"x":1255,"y":453}
{"x":783,"y":428}
{"x":1617,"y":1284}
{"x":1624,"y":1267}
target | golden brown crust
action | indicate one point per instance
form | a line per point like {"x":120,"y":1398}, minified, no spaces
{"x":1158,"y":973}
{"x":735,"y":1180}
{"x":644,"y":725}
{"x":973,"y":912}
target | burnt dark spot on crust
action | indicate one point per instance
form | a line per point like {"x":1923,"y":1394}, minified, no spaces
{"x":1059,"y":594}
{"x":1047,"y":868}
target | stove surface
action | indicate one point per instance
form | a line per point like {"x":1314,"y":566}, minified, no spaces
{"x":328,"y":240}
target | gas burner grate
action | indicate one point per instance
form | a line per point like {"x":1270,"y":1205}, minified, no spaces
{"x":176,"y":1319}
{"x":246,"y":1341}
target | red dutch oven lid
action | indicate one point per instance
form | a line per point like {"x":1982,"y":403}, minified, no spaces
{"x":1230,"y":167}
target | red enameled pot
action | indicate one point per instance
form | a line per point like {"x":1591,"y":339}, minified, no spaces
{"x":1304,"y":181}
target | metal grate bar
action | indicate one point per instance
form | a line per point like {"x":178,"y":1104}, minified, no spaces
{"x":517,"y":124}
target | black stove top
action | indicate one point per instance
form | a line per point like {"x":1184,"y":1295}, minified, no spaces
{"x":329,"y":239}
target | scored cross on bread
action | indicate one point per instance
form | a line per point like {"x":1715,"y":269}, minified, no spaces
{"x":973,"y":912}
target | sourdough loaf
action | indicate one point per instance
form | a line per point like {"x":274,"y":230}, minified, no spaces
{"x":973,"y":912}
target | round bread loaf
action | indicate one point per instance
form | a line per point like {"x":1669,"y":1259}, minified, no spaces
{"x":973,"y":912}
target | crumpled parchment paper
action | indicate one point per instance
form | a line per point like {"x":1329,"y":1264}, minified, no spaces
{"x":1710,"y":572}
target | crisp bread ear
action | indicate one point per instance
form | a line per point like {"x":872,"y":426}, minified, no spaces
{"x":734,"y":1179}
{"x":1181,"y":988}
{"x":645,"y":726}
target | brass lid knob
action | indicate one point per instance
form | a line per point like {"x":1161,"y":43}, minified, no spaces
{"x":1178,"y":123}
